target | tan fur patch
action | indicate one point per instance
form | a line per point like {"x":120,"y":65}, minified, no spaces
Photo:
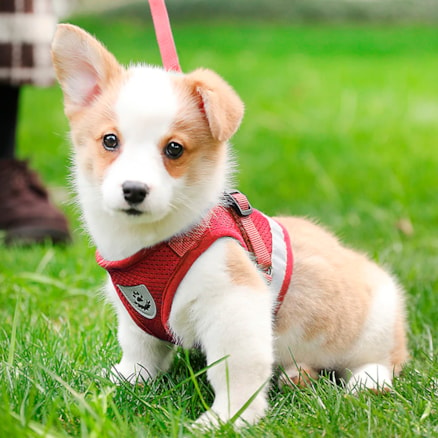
{"x":328,"y":296}
{"x":88,"y":128}
{"x":202,"y":155}
{"x":223,"y":108}
{"x":90,"y":78}
{"x":305,"y":377}
{"x":208,"y":115}
{"x":300,"y":376}
{"x":74,"y":53}
{"x":242,"y":271}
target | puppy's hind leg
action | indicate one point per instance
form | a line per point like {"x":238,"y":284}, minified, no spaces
{"x":300,"y":375}
{"x":375,"y":377}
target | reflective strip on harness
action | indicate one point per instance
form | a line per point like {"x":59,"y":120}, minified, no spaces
{"x":279,"y":258}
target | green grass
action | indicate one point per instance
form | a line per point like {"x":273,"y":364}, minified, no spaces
{"x":342,"y":126}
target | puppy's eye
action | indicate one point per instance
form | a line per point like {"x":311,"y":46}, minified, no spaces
{"x":110,"y":142}
{"x":173,"y":150}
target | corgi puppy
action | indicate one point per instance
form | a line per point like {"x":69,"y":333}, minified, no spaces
{"x":152,"y":169}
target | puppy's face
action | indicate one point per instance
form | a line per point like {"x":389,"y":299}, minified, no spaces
{"x":147,"y":142}
{"x":144,"y":144}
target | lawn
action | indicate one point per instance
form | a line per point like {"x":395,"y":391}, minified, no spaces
{"x":341,"y":125}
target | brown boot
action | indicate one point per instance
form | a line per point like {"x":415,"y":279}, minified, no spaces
{"x":26,"y":214}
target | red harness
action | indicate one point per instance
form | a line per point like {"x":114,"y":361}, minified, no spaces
{"x":147,"y":281}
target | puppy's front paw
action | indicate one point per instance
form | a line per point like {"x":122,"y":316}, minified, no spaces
{"x":131,"y":373}
{"x":207,"y":421}
{"x":211,"y":420}
{"x":243,"y":417}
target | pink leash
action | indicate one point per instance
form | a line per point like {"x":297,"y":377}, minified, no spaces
{"x":170,"y":61}
{"x":164,"y":35}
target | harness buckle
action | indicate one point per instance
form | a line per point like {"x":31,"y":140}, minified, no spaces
{"x":234,"y":200}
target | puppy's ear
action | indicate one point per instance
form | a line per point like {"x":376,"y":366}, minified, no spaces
{"x":82,"y":65}
{"x":223,"y":107}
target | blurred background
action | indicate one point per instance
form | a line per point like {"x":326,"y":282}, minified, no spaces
{"x":284,"y":10}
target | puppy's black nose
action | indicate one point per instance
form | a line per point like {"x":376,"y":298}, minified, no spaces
{"x":134,"y":192}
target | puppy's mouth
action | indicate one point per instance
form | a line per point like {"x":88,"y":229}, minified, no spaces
{"x":133,"y":212}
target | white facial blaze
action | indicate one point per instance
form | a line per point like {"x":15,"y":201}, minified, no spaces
{"x":147,"y":105}
{"x":145,"y":110}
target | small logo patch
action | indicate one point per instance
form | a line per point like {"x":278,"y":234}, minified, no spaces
{"x":140,"y":299}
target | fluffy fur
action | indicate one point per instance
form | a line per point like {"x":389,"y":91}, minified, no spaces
{"x":342,"y":312}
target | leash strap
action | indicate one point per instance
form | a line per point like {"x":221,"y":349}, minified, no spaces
{"x":164,"y":35}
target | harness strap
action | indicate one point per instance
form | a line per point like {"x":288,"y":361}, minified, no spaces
{"x":242,"y":212}
{"x":164,"y":35}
